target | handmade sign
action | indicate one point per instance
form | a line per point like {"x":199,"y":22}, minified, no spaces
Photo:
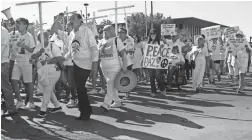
{"x":211,"y":32}
{"x":168,"y":29}
{"x":155,"y":56}
{"x":228,"y":32}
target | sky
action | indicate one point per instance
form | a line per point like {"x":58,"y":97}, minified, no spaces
{"x":230,"y":13}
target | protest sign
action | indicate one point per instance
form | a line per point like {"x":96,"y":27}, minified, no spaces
{"x":228,"y":32}
{"x":237,"y":41}
{"x":211,"y":32}
{"x":155,"y":56}
{"x":168,"y":29}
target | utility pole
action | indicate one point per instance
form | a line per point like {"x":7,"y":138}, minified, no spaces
{"x":146,"y":20}
{"x":151,"y":14}
{"x":40,"y":15}
{"x":116,"y":8}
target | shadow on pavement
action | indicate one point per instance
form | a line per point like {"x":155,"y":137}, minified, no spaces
{"x":68,"y":129}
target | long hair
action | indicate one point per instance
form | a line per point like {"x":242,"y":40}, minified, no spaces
{"x":138,"y":38}
{"x":153,"y":31}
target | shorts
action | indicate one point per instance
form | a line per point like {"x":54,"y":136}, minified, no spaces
{"x":217,"y":61}
{"x":240,"y":70}
{"x":22,"y":70}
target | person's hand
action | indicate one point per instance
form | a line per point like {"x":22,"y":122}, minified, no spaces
{"x":124,"y":69}
{"x":19,"y":44}
{"x":42,"y":50}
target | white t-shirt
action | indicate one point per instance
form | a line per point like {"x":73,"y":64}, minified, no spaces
{"x":108,"y":52}
{"x":67,"y":39}
{"x":215,"y":48}
{"x":129,"y":46}
{"x":23,"y":55}
{"x":5,"y":49}
{"x":200,"y":54}
{"x":138,"y":54}
{"x":51,"y":50}
{"x":175,"y":58}
{"x":13,"y":44}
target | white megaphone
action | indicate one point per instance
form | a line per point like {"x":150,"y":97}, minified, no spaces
{"x":7,"y":13}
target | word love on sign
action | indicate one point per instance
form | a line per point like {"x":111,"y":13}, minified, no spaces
{"x":155,"y":56}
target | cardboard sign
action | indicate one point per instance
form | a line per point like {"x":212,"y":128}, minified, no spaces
{"x":155,"y":56}
{"x":211,"y":32}
{"x":237,"y":41}
{"x":168,"y":29}
{"x":228,"y":32}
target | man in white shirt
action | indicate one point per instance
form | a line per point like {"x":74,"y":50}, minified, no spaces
{"x":216,"y":58}
{"x":128,"y":43}
{"x":85,"y":57}
{"x":23,"y":65}
{"x":5,"y":84}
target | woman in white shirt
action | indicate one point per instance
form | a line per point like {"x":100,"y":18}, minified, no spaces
{"x":110,"y":47}
{"x":50,"y":59}
{"x":201,"y":59}
{"x":175,"y":59}
{"x":138,"y":54}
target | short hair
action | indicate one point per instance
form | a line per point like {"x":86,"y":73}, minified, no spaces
{"x":24,"y":21}
{"x":77,"y":15}
{"x":61,"y":14}
{"x":108,"y":27}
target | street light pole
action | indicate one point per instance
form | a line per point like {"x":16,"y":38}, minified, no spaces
{"x":86,"y":4}
{"x":151,"y":14}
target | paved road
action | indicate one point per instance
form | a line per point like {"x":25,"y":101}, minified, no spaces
{"x":217,"y":114}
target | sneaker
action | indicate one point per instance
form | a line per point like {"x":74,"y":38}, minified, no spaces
{"x":55,"y":110}
{"x":105,"y":107}
{"x":102,"y":91}
{"x":42,"y":114}
{"x":116,"y":104}
{"x":152,"y":94}
{"x":71,"y":104}
{"x":127,"y":96}
{"x":30,"y":106}
{"x":20,"y":104}
{"x":163,"y":93}
{"x":93,"y":91}
{"x":9,"y":114}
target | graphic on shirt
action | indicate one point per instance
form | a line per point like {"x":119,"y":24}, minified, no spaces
{"x":106,"y":51}
{"x":21,"y":50}
{"x":130,"y":52}
{"x":75,"y":46}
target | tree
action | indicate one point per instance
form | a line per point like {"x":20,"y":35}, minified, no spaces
{"x":136,"y":24}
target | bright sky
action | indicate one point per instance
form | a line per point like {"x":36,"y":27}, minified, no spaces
{"x":231,"y":13}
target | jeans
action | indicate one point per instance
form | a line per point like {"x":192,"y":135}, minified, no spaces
{"x":48,"y":92}
{"x":188,"y":69}
{"x":69,"y":73}
{"x":12,"y":62}
{"x":6,"y":87}
{"x":156,"y":74}
{"x":80,"y":77}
